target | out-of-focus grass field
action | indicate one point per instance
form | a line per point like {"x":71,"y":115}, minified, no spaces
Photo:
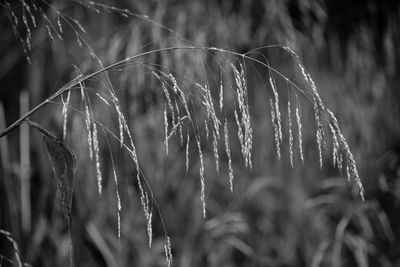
{"x":277,"y":215}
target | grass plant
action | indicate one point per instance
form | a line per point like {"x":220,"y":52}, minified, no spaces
{"x":197,"y":110}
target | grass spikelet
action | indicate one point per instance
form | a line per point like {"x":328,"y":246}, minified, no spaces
{"x":88,"y":122}
{"x":167,"y":95}
{"x":240,"y":132}
{"x":51,"y":35}
{"x":207,"y":130}
{"x":181,"y":133}
{"x":215,"y":150}
{"x":290,"y":135}
{"x":244,"y":124}
{"x":82,"y":90}
{"x":59,"y":25}
{"x":214,"y":117}
{"x":174,"y":83}
{"x":169,"y":101}
{"x":166,"y":129}
{"x":276,"y":129}
{"x":147,"y":212}
{"x":167,"y":250}
{"x":133,"y":153}
{"x":149,"y":217}
{"x":276,"y":105}
{"x":97,"y":157}
{"x":290,"y":50}
{"x":340,"y":164}
{"x":299,"y":133}
{"x":335,"y":146}
{"x":221,"y":95}
{"x":353,"y":168}
{"x":187,"y":151}
{"x":102,"y":98}
{"x":78,"y":24}
{"x":320,"y":132}
{"x":202,"y":181}
{"x":179,"y":122}
{"x":303,"y":71}
{"x":228,"y":153}
{"x":144,"y":200}
{"x":122,"y":125}
{"x":78,"y":39}
{"x":65,"y":112}
{"x":27,"y":28}
{"x":209,"y":105}
{"x":316,"y":94}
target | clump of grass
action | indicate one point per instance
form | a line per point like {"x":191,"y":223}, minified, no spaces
{"x":182,"y":102}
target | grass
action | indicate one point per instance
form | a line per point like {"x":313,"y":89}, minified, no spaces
{"x":211,"y":109}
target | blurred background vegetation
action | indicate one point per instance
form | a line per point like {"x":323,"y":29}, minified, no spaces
{"x":277,"y":215}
